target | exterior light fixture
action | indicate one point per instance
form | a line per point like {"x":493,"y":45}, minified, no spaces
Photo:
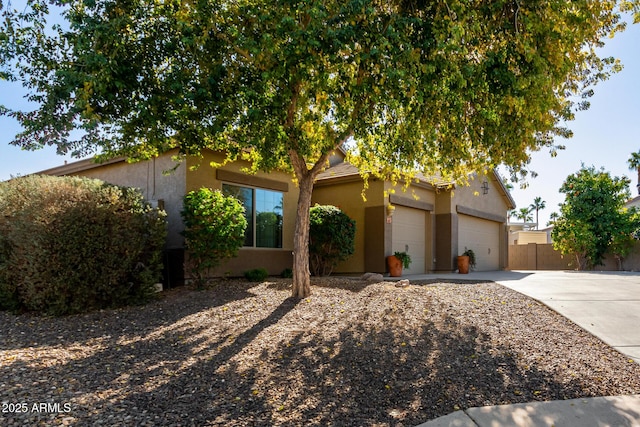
{"x":485,"y":187}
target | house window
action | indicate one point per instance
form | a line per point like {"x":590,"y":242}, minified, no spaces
{"x":263,"y":211}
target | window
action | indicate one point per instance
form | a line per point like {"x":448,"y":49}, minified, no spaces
{"x":263,"y":210}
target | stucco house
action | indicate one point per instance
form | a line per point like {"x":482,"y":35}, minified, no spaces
{"x":635,"y":203}
{"x":432,"y":224}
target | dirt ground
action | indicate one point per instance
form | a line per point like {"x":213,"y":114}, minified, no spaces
{"x":354,"y":353}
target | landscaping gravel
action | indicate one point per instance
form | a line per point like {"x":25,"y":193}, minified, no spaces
{"x":353,"y":354}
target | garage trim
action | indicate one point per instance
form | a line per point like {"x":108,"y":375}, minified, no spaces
{"x":480,"y":214}
{"x":410,"y":203}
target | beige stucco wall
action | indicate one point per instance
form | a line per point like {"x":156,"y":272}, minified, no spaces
{"x":348,"y":197}
{"x":426,"y":197}
{"x":471,"y":196}
{"x":526,"y":237}
{"x":202,"y":174}
{"x":274,"y":260}
{"x":160,"y":179}
{"x":493,"y":206}
{"x":157,"y":179}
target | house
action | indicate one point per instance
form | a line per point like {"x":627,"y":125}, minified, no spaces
{"x":164,"y":181}
{"x":635,"y":202}
{"x":523,"y":233}
{"x":433,"y":224}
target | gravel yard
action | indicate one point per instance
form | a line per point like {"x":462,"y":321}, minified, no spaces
{"x":353,"y":354}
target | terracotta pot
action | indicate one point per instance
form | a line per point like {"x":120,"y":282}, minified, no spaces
{"x":395,"y":266}
{"x":463,"y":264}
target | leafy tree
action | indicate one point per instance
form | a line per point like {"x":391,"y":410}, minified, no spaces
{"x":444,"y":86}
{"x":214,"y":230}
{"x":625,"y":237}
{"x":634,"y":165}
{"x":537,"y":205}
{"x":592,"y":218}
{"x":524,"y":214}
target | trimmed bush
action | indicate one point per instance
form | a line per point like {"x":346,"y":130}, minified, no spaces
{"x":331,"y":238}
{"x":214,"y":230}
{"x":256,"y":275}
{"x":70,"y":245}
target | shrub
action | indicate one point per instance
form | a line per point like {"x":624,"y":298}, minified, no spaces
{"x":214,"y":230}
{"x":331,"y":238}
{"x":287,"y":273}
{"x":71,"y":244}
{"x":256,"y":275}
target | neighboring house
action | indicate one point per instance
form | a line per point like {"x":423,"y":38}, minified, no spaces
{"x":434,"y":224}
{"x":523,"y":233}
{"x":529,"y":236}
{"x":433,"y":227}
{"x":635,"y":202}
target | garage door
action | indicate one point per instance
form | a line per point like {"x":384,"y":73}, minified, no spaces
{"x":483,"y":237}
{"x":408,"y":232}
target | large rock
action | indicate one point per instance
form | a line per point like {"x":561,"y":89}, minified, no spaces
{"x":372,"y":277}
{"x":404,"y":283}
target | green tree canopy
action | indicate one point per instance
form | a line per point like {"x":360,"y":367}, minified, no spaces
{"x":537,"y":205}
{"x":442,"y":86}
{"x":592,"y":218}
{"x":634,"y":165}
{"x":524,"y":214}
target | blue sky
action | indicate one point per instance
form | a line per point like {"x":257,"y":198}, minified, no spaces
{"x":604,"y":136}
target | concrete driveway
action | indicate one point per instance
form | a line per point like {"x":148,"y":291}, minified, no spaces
{"x":607,"y":304}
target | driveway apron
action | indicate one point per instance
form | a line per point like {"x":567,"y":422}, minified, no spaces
{"x":607,"y":304}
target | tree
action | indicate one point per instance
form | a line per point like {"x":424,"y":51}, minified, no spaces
{"x":446,"y":87}
{"x":537,"y":205}
{"x":524,"y":214}
{"x":634,"y":165}
{"x":592,"y":218}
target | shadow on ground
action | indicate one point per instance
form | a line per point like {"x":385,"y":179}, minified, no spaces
{"x":252,"y":358}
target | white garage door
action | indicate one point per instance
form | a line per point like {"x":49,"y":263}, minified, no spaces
{"x":483,"y":237}
{"x":408,"y":231}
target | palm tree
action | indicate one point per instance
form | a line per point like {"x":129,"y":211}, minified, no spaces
{"x":537,"y":205}
{"x":634,"y":164}
{"x":524,"y":214}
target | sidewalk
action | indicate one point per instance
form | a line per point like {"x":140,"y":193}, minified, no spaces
{"x":620,"y":411}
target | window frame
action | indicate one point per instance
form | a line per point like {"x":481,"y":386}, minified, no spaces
{"x":254,"y":214}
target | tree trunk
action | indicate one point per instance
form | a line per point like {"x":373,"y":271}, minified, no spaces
{"x":301,"y":275}
{"x":306,"y":177}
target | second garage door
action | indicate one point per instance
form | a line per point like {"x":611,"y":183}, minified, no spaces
{"x":483,"y":237}
{"x":408,"y":231}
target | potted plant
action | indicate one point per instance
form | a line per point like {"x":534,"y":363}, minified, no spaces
{"x":397,"y":262}
{"x":465,"y":261}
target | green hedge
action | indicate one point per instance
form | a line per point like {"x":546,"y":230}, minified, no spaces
{"x":331,"y":238}
{"x":70,"y":245}
{"x":214,"y":230}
